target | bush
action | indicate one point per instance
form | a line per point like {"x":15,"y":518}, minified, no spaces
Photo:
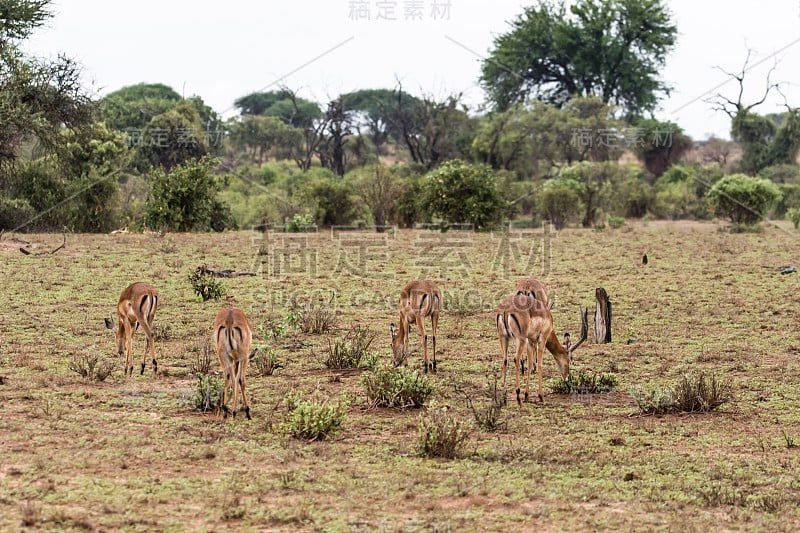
{"x":559,"y":204}
{"x":463,"y":192}
{"x":793,"y":214}
{"x":312,"y":420}
{"x":204,"y":355}
{"x":582,"y":382}
{"x":14,"y":212}
{"x":616,"y":222}
{"x":185,"y":198}
{"x":351,"y":351}
{"x":742,"y":199}
{"x":335,"y":201}
{"x":389,"y":386}
{"x":208,"y":393}
{"x":440,"y":435}
{"x":90,"y":367}
{"x":300,"y":223}
{"x":266,"y":362}
{"x":488,"y":417}
{"x":315,"y":318}
{"x":692,"y":394}
{"x":205,"y":285}
{"x":632,"y":197}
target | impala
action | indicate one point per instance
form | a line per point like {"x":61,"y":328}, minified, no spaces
{"x":534,"y":287}
{"x":232,"y":337}
{"x":529,"y":321}
{"x":418,"y":299}
{"x":136,"y":307}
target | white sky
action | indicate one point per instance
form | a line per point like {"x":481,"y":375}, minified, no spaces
{"x":223,"y":50}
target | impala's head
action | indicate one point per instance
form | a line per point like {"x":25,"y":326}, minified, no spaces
{"x":563,"y":356}
{"x":399,"y":348}
{"x":118,"y":334}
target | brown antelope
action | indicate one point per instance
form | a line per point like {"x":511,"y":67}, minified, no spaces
{"x":136,"y":307}
{"x":233,"y":336}
{"x":529,"y":321}
{"x":534,"y":287}
{"x":418,"y":299}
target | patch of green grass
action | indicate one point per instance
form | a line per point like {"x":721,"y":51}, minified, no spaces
{"x":389,"y":386}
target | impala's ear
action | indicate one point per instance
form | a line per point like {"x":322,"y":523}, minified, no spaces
{"x":253,"y":354}
{"x":566,"y":341}
{"x":110,"y":324}
{"x":393,"y":329}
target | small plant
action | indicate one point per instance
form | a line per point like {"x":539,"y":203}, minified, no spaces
{"x":615,"y":222}
{"x":31,"y":514}
{"x":204,"y":355}
{"x":266,"y":362}
{"x":205,"y":285}
{"x":389,"y":386}
{"x":300,"y":223}
{"x":440,"y":434}
{"x":313,"y":420}
{"x":90,"y":367}
{"x":585,"y":383}
{"x":351,"y":351}
{"x":793,"y":214}
{"x":692,"y":394}
{"x":314,"y":318}
{"x":208,"y":393}
{"x":790,"y":443}
{"x":488,"y":417}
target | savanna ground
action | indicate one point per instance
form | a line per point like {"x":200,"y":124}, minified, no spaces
{"x":133,"y":454}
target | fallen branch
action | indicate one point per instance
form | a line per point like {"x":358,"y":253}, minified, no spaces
{"x":227,"y":273}
{"x":54,"y":250}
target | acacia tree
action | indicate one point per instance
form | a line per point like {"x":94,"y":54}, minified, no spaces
{"x":765,"y":141}
{"x":612,"y":49}
{"x":38,"y":98}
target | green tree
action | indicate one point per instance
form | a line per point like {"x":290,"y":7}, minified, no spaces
{"x":38,"y":98}
{"x":172,"y":138}
{"x":612,"y":49}
{"x":379,"y":111}
{"x":381,"y":189}
{"x":284,"y":104}
{"x":262,"y":137}
{"x":334,"y":201}
{"x":559,"y":202}
{"x":659,"y":145}
{"x":525,"y":136}
{"x":596,"y":181}
{"x":185,"y":198}
{"x":463,"y":192}
{"x":742,"y":199}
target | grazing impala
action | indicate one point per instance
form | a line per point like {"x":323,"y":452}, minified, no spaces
{"x":232,"y":337}
{"x":136,"y":307}
{"x":529,"y":321}
{"x":534,"y":287}
{"x":418,"y":299}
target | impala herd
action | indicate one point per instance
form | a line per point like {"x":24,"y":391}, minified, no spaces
{"x":524,"y":315}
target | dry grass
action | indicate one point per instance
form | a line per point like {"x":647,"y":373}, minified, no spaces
{"x":133,"y":454}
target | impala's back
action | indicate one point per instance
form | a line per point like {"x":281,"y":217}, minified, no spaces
{"x":232,"y":334}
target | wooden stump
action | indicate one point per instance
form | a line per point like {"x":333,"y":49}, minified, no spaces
{"x":602,"y":317}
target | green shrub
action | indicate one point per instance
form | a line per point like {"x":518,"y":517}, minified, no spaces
{"x":14,"y":212}
{"x":464,"y":193}
{"x":185,"y":198}
{"x":352,"y":350}
{"x":300,"y":223}
{"x":616,"y":222}
{"x":440,"y":434}
{"x":793,"y":214}
{"x":582,"y":382}
{"x":389,"y":386}
{"x":312,"y":420}
{"x":208,"y":393}
{"x":559,"y":204}
{"x":205,"y":285}
{"x":742,"y":199}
